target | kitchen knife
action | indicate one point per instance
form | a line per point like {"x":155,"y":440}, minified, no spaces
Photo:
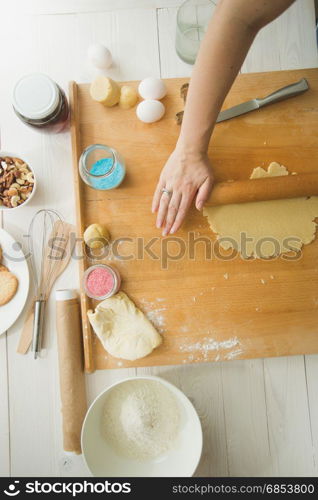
{"x":284,"y":93}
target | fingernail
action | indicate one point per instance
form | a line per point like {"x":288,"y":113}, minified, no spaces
{"x":200,"y":205}
{"x":172,"y":230}
{"x":158,"y":224}
{"x":164,"y":232}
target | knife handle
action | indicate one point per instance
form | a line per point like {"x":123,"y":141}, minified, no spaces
{"x":284,"y":93}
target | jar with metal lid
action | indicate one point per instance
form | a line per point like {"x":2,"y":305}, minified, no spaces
{"x":102,"y":167}
{"x":40,"y":103}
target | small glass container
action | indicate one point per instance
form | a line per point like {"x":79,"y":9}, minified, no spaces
{"x":192,"y":20}
{"x":101,"y":281}
{"x":40,"y":103}
{"x":101,"y":167}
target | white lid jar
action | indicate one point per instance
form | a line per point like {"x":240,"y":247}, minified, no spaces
{"x":38,"y":101}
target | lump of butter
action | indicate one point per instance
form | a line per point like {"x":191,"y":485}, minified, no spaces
{"x":128,"y":97}
{"x":105,"y":91}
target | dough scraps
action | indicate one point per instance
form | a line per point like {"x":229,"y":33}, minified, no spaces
{"x":265,"y":229}
{"x":274,"y":170}
{"x":123,"y":329}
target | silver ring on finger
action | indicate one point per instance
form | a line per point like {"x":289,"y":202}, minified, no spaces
{"x":166,"y":192}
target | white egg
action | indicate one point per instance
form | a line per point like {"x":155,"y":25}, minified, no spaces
{"x":152,"y":88}
{"x":150,"y":110}
{"x":99,"y":55}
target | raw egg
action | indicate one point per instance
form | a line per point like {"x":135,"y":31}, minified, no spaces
{"x":99,"y":55}
{"x":152,"y":88}
{"x":150,"y":110}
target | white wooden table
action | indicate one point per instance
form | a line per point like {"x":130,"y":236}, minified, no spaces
{"x":260,"y":417}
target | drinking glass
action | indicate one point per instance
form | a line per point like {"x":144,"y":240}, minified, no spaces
{"x":192,"y":20}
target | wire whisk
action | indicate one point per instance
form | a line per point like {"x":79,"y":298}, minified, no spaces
{"x":47,"y":241}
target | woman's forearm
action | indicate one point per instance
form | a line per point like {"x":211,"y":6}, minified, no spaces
{"x":187,"y":175}
{"x":230,"y":34}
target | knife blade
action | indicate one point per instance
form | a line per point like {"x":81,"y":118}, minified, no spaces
{"x":279,"y":95}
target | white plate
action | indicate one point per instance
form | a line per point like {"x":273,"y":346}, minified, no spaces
{"x":14,"y":260}
{"x":180,"y":461}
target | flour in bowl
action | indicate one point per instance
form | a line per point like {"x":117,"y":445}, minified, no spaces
{"x":141,"y":419}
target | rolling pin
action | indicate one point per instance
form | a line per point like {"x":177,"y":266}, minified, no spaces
{"x":264,"y":189}
{"x":72,"y":381}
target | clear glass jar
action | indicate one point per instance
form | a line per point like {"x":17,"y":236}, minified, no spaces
{"x":101,"y":281}
{"x":192,"y":20}
{"x":40,"y":103}
{"x":101,"y":167}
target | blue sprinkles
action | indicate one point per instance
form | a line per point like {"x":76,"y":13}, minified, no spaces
{"x":101,"y":167}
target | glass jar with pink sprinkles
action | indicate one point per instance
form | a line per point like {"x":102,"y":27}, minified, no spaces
{"x":101,"y":281}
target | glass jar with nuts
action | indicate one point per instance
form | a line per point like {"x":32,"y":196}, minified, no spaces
{"x":17,"y":183}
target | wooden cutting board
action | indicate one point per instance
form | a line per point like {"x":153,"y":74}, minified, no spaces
{"x":207,"y":309}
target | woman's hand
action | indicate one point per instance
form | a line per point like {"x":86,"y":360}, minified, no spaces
{"x":184,"y":177}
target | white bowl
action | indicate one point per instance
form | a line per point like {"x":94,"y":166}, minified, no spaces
{"x":180,"y":461}
{"x":14,"y":155}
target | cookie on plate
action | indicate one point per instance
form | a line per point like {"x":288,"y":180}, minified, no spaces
{"x":8,"y":286}
{"x":2,"y":267}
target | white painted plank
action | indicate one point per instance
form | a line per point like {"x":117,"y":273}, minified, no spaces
{"x":22,"y":382}
{"x":4,"y":410}
{"x":37,"y":7}
{"x":131,"y":36}
{"x":34,"y":384}
{"x":245,"y":418}
{"x":288,"y":417}
{"x":311,"y":365}
{"x":289,"y":42}
{"x":4,"y":398}
{"x":297,"y":36}
{"x":263,"y":54}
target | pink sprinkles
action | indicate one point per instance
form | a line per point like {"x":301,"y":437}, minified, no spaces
{"x":100,"y":282}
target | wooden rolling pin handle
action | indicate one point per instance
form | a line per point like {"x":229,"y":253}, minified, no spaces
{"x":264,"y":189}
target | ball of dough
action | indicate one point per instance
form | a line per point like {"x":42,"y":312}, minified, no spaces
{"x":123,"y":329}
{"x":96,"y":236}
{"x":128,"y":97}
{"x":105,"y":90}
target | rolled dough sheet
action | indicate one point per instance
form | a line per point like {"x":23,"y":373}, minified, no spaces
{"x":266,"y":228}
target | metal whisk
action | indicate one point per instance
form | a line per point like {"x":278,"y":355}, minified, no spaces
{"x":45,"y":262}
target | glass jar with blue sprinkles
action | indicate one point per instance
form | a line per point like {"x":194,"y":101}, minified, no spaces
{"x":101,"y":167}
